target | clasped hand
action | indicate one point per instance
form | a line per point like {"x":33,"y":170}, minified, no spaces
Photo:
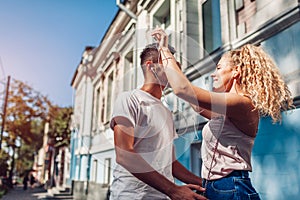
{"x":161,"y":37}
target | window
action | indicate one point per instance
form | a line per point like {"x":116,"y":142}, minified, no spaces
{"x":162,"y":17}
{"x":97,"y":107}
{"x":211,"y":25}
{"x":107,"y":168}
{"x":102,"y":100}
{"x":128,"y":79}
{"x":109,"y":94}
{"x":106,"y":97}
{"x":95,"y":169}
{"x":284,"y":49}
{"x":193,"y":32}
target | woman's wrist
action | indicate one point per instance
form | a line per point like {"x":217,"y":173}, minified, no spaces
{"x":165,"y":53}
{"x":165,"y":49}
{"x":167,"y":58}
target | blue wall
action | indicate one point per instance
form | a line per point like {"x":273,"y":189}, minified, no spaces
{"x":73,"y":146}
{"x":183,"y":149}
{"x":275,"y":157}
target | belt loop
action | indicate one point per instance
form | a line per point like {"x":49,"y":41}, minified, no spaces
{"x":245,"y":174}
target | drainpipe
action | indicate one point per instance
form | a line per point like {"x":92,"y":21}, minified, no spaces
{"x":128,"y":12}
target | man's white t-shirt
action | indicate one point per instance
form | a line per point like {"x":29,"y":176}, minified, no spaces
{"x":154,"y":133}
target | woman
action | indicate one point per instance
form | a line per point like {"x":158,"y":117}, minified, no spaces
{"x":246,"y":85}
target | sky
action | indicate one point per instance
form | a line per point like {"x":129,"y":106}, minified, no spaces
{"x":42,"y":41}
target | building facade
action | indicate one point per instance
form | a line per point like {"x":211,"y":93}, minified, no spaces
{"x":51,"y":167}
{"x":200,"y":31}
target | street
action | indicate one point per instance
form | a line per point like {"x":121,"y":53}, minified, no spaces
{"x":35,"y":193}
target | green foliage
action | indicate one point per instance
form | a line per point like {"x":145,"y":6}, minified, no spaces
{"x":25,"y":158}
{"x":3,"y":190}
{"x":26,"y":114}
{"x":25,"y":105}
{"x":59,"y":125}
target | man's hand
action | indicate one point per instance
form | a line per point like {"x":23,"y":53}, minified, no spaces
{"x":185,"y":192}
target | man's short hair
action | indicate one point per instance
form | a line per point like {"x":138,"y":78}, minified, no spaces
{"x":150,"y":52}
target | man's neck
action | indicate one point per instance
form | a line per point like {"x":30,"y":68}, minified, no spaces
{"x":153,"y":89}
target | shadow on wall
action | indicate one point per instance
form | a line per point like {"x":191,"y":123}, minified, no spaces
{"x":276,"y":158}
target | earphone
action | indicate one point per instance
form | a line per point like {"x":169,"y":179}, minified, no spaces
{"x":153,"y":70}
{"x":234,"y":74}
{"x":165,"y":101}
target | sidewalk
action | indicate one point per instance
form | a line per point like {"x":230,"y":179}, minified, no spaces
{"x":35,"y":194}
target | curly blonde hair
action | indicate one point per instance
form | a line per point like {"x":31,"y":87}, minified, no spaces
{"x":261,"y":80}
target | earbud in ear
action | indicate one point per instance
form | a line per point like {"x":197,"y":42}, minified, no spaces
{"x":152,"y":69}
{"x":234,"y":75}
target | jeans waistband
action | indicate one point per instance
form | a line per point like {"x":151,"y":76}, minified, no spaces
{"x":235,"y":173}
{"x":239,"y":173}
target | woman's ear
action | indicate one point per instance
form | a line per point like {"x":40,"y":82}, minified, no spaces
{"x":236,"y":72}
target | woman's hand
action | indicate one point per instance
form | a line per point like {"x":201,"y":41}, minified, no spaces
{"x":161,"y":37}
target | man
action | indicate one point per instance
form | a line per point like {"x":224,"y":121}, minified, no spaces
{"x":144,"y":134}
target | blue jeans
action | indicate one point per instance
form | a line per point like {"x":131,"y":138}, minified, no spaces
{"x":236,"y":185}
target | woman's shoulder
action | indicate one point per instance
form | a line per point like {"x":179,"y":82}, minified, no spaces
{"x":246,"y":116}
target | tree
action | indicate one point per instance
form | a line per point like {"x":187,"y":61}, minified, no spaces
{"x":25,"y":105}
{"x":59,"y":137}
{"x":26,"y":113}
{"x":3,"y":163}
{"x":59,"y":124}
